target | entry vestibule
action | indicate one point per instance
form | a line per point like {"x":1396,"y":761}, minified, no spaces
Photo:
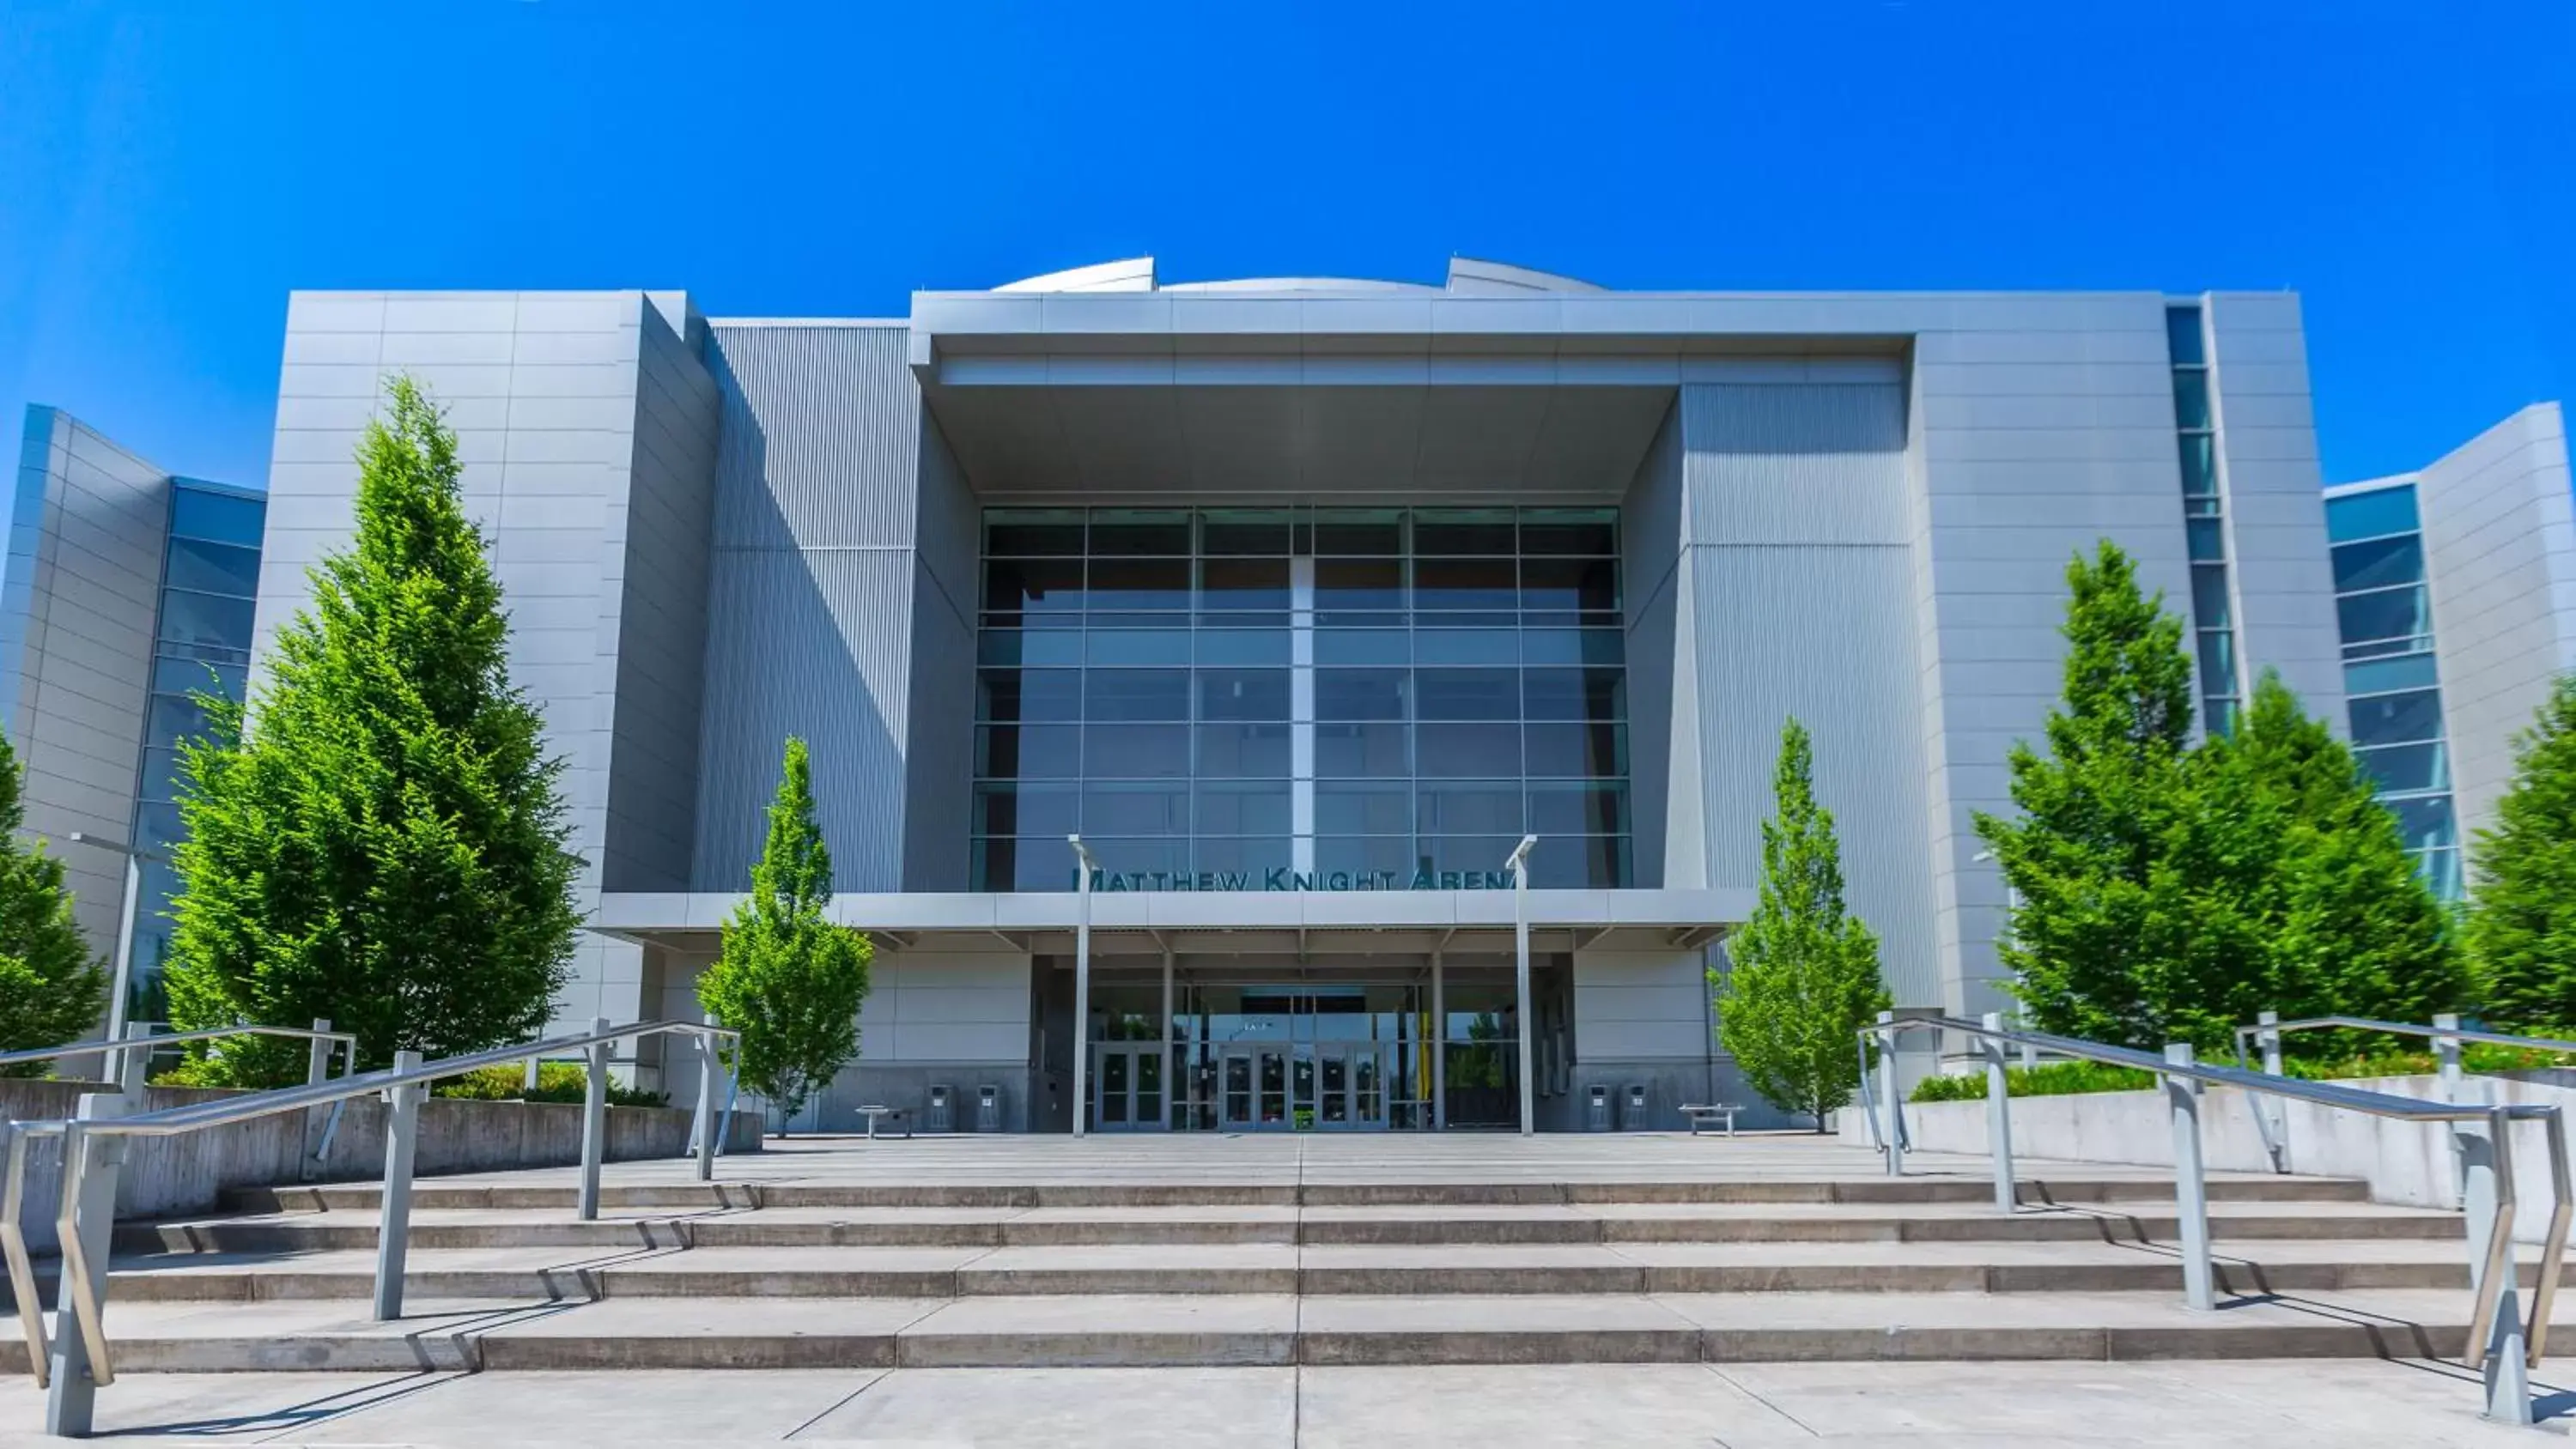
{"x":1252,"y":1045}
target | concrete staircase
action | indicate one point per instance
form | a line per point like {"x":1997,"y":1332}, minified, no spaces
{"x":1103,"y":1254}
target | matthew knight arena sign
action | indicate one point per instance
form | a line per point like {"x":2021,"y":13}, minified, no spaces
{"x":1284,"y":879}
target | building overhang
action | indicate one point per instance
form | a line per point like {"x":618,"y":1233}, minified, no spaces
{"x":1317,"y":393}
{"x":1303,"y":923}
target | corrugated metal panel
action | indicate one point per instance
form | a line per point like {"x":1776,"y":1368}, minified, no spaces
{"x":1826,"y":634}
{"x":2500,"y":559}
{"x":1798,"y":463}
{"x":662,"y":621}
{"x":815,"y":643}
{"x":941,"y":728}
{"x":821,"y":434}
{"x":1649,"y":536}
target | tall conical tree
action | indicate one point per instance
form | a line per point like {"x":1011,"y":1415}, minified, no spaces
{"x":2341,"y":919}
{"x":1805,"y":971}
{"x":376,"y":837}
{"x":52,"y":990}
{"x":2089,"y":854}
{"x":2522,"y":914}
{"x":788,"y":980}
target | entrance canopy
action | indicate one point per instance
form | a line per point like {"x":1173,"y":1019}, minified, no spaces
{"x":1318,"y":922}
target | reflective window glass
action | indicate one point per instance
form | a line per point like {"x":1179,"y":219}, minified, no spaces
{"x":1243,"y":693}
{"x":2191,"y":399}
{"x":1387,"y":854}
{"x":1244,"y":646}
{"x":197,"y":676}
{"x":2386,"y":614}
{"x":217,"y":517}
{"x":2208,"y":542}
{"x":214,"y":568}
{"x":1033,"y":532}
{"x":1250,"y":854}
{"x":2371,"y":515}
{"x":1013,"y":807}
{"x":1364,"y":751}
{"x":2381,"y":676}
{"x":1110,"y":808}
{"x":1371,"y":531}
{"x":2199,"y":465}
{"x":1361,"y":693}
{"x":1570,"y":531}
{"x":1035,"y":696}
{"x":1363,"y":645}
{"x":1243,"y":751}
{"x":1578,"y":807}
{"x":1244,"y":531}
{"x":1480,"y":807}
{"x":1597,"y":750}
{"x":1028,"y":752}
{"x":1116,"y":647}
{"x":1139,"y":532}
{"x":172,"y":718}
{"x":1243,"y":583}
{"x":188,"y":618}
{"x":1359,"y":583}
{"x":2217,"y":660}
{"x":2379,"y":562}
{"x":1362,"y":807}
{"x":2425,"y":823}
{"x":1139,"y":584}
{"x":1466,"y":694}
{"x":2209,"y":596}
{"x":1136,"y":694}
{"x":1135,"y":752}
{"x":1470,"y":750}
{"x":2182,"y":336}
{"x":1574,"y":646}
{"x":1465,"y":583}
{"x":1236,"y":807}
{"x":1467,"y":646}
{"x":1008,"y":646}
{"x":2389,"y":719}
{"x":1033,"y":586}
{"x":1464,"y":531}
{"x":1570,"y":583}
{"x":2408,"y":767}
{"x":1553,"y":693}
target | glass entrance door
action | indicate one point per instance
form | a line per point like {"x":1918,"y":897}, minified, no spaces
{"x":1351,"y":1086}
{"x":1127,"y":1087}
{"x":1253,"y":1088}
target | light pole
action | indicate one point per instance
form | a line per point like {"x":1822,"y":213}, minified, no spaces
{"x":123,"y":983}
{"x":1518,"y":865}
{"x":1084,"y":865}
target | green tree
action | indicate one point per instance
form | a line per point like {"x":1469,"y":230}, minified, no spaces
{"x":52,"y":990}
{"x":376,"y":837}
{"x":788,"y":980}
{"x":2318,"y":876}
{"x":2103,"y":940}
{"x":2522,"y":913}
{"x":1805,"y":975}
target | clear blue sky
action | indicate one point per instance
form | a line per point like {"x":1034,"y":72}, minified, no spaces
{"x":168,"y":172}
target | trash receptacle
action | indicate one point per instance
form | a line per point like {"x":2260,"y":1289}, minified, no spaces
{"x":941,"y":1117}
{"x":988,"y":1109}
{"x":1636,"y":1121}
{"x":1600,"y":1109}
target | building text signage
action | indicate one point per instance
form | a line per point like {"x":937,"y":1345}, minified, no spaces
{"x":1284,"y":879}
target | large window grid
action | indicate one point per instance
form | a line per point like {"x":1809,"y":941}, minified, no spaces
{"x":202,"y":640}
{"x":2392,"y":686}
{"x":1363,"y":694}
{"x":2204,"y":519}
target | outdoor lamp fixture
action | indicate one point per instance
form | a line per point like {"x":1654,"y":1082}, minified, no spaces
{"x":1084,"y":865}
{"x":124,"y":939}
{"x":1518,"y":865}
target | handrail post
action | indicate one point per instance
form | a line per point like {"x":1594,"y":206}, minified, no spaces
{"x":1999,"y":1113}
{"x":710,"y":1128}
{"x":2446,"y":1057}
{"x":1887,"y":1099}
{"x":2191,"y":1192}
{"x":2495,"y":1333}
{"x":594,"y":1121}
{"x":317,"y":1070}
{"x":2274,"y":1112}
{"x":89,"y":1174}
{"x":393,"y":1223}
{"x":2562,"y":1208}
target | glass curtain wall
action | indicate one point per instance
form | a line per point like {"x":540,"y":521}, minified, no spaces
{"x":2391,"y":686}
{"x":2204,"y":520}
{"x":209,"y":580}
{"x":1373,"y":697}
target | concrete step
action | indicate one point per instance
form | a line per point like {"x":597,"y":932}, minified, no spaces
{"x":2072,"y":1188}
{"x":1611,"y":1222}
{"x":766,"y":1333}
{"x":866,"y":1272}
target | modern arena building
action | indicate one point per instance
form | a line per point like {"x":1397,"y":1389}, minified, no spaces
{"x":1302,"y":602}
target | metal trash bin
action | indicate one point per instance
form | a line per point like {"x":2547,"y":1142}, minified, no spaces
{"x":940,"y":1117}
{"x":1600,"y":1109}
{"x":988,"y":1109}
{"x":1636,"y":1119}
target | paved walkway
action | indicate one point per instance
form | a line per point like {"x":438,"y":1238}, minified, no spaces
{"x":2240,"y":1405}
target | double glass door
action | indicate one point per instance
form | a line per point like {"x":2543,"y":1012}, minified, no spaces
{"x":1305,"y":1086}
{"x":1127,"y":1086}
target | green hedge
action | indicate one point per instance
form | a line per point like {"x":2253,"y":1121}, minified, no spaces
{"x":2056,"y":1079}
{"x":556,"y":1082}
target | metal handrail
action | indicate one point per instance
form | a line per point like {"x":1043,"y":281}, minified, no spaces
{"x":76,"y":1279}
{"x":2491,"y":1267}
{"x":2436,"y":1031}
{"x":348,"y":1042}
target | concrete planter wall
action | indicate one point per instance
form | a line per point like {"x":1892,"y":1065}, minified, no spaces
{"x":168,"y":1176}
{"x":2404,"y":1163}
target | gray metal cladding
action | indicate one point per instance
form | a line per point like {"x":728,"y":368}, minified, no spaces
{"x":821,"y":432}
{"x":1649,"y":537}
{"x":811,"y":643}
{"x":1799,"y":577}
{"x":941,"y":728}
{"x":661,"y":642}
{"x":1826,"y":634}
{"x":1796,"y":463}
{"x":810,"y":603}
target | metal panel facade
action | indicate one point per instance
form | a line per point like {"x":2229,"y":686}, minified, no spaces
{"x":2500,"y":555}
